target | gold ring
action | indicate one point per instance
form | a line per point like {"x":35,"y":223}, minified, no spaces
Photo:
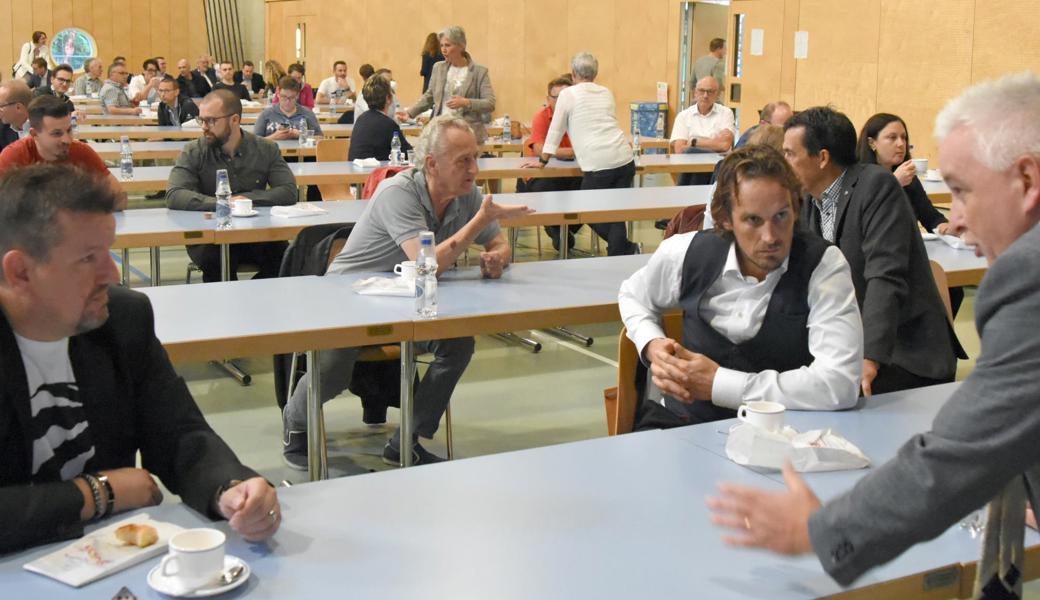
{"x":747,"y":523}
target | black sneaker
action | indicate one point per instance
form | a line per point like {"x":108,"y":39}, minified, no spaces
{"x":294,"y":449}
{"x":420,"y":455}
{"x":374,"y":417}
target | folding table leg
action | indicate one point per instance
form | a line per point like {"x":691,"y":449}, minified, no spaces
{"x":317,"y":459}
{"x":407,"y":377}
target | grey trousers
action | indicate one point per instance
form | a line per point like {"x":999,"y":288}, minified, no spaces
{"x":450,"y":359}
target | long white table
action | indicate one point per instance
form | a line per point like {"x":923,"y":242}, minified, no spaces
{"x":620,"y":517}
{"x":155,"y":132}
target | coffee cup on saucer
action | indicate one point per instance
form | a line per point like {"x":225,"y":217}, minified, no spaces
{"x":764,"y":415}
{"x":195,"y":559}
{"x":242,"y":207}
{"x":406,"y":270}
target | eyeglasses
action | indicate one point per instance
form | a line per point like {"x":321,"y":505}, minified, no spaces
{"x":62,"y":80}
{"x":705,"y":92}
{"x":284,"y":98}
{"x":554,"y":97}
{"x":6,"y":104}
{"x":211,"y":121}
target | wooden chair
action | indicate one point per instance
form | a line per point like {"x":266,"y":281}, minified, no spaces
{"x":939,"y":274}
{"x":334,"y":150}
{"x":622,"y":401}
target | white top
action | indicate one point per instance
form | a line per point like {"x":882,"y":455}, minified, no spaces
{"x":137,"y":85}
{"x":60,"y":442}
{"x":735,"y":305}
{"x":690,"y":123}
{"x":27,"y":55}
{"x":330,"y":85}
{"x":585,"y":112}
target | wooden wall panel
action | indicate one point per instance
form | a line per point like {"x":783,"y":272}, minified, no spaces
{"x":198,"y":43}
{"x":598,"y":39}
{"x":1005,"y":38}
{"x":41,"y":17}
{"x":760,"y":80}
{"x":103,"y":32}
{"x":842,"y":67}
{"x":8,"y":51}
{"x":138,"y":35}
{"x":83,"y":14}
{"x":61,"y":15}
{"x":546,"y":54}
{"x":506,"y":28}
{"x":178,"y":37}
{"x":924,"y":58}
{"x":159,"y":26}
{"x":21,"y":30}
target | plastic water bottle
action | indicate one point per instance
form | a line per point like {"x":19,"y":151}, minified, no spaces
{"x":223,"y":200}
{"x":75,"y":127}
{"x":303,"y":136}
{"x":126,"y":159}
{"x":635,"y":146}
{"x":395,"y":149}
{"x":507,"y":129}
{"x":659,"y":126}
{"x":426,"y":277}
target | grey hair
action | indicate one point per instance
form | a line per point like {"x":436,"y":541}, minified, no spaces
{"x":1004,"y":115}
{"x":455,"y":34}
{"x":431,"y":141}
{"x":585,"y":66}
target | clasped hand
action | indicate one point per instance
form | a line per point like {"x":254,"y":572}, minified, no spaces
{"x":680,"y":373}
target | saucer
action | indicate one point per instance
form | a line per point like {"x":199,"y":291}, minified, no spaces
{"x":163,"y":585}
{"x":251,"y":213}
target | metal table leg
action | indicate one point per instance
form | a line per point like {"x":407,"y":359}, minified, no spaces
{"x":225,"y":262}
{"x":153,"y":255}
{"x":317,"y":459}
{"x":533,"y":345}
{"x":570,"y":333}
{"x":126,"y":267}
{"x":225,"y":275}
{"x":407,"y":377}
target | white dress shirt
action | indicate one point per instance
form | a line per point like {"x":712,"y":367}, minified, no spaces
{"x":137,"y":85}
{"x":735,"y":306}
{"x":585,"y":112}
{"x":690,"y":123}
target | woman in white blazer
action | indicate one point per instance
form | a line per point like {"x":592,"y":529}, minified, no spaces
{"x":37,"y":48}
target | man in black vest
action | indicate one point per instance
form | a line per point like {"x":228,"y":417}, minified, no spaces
{"x":769,"y":313}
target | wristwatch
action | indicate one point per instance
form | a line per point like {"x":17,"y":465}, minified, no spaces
{"x":543,"y":160}
{"x":693,"y":142}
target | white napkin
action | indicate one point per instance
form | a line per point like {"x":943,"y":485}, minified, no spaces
{"x":366,"y":162}
{"x":250,"y":103}
{"x":385,"y":286}
{"x":191,"y":124}
{"x":300,"y":209}
{"x":816,"y":450}
{"x":100,"y":554}
{"x":955,"y":242}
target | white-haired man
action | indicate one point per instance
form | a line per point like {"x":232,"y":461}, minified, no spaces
{"x":983,"y":441}
{"x":438,"y":196}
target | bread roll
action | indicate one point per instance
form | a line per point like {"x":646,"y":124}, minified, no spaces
{"x":141,"y":536}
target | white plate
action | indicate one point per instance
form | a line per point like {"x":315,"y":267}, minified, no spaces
{"x":251,"y":213}
{"x":162,"y":584}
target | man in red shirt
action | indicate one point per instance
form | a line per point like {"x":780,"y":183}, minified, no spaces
{"x":50,"y":140}
{"x":533,"y":147}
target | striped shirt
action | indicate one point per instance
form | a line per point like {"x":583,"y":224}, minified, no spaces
{"x":61,"y":443}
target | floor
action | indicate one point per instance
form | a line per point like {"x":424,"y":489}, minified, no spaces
{"x":509,"y":398}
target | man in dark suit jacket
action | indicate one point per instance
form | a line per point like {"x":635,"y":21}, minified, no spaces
{"x":251,"y":79}
{"x":907,"y":338}
{"x":85,"y":384}
{"x":191,"y":85}
{"x":204,"y":77}
{"x":983,"y":441}
{"x":173,"y":109}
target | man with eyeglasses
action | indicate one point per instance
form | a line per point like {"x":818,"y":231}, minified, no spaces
{"x":707,"y":126}
{"x":285,"y":118}
{"x":50,"y":141}
{"x":90,"y":82}
{"x":174,"y":110}
{"x":61,"y":79}
{"x":114,"y":100}
{"x":39,"y":76}
{"x":14,"y":111}
{"x":256,"y":170}
{"x":145,"y":87}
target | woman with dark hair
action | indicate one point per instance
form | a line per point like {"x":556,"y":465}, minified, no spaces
{"x":431,"y":55}
{"x":884,"y":141}
{"x":32,"y":50}
{"x":306,"y":98}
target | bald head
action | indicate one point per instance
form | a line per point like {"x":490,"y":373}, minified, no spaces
{"x":776,"y":113}
{"x":14,"y":100}
{"x":706,"y":93}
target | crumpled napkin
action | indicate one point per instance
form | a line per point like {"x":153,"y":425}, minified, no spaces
{"x":250,"y":103}
{"x":191,"y":124}
{"x":816,"y":450}
{"x":366,"y":162}
{"x":385,"y":286}
{"x":956,"y":243}
{"x":300,"y":209}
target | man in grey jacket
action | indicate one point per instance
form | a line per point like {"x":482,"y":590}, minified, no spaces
{"x":983,"y":441}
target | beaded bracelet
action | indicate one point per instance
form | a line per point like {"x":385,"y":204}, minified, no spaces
{"x":95,"y":491}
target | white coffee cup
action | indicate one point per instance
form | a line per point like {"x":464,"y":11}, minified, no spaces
{"x":406,"y":269}
{"x":764,"y":415}
{"x":921,"y":164}
{"x":196,"y":557}
{"x":242,"y":207}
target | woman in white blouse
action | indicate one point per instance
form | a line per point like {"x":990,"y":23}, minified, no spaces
{"x":37,"y":48}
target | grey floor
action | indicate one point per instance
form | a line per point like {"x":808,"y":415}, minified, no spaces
{"x":509,"y":399}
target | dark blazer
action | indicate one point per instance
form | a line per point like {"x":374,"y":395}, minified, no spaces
{"x":134,"y":401}
{"x":47,"y":91}
{"x":190,"y":87}
{"x":372,"y":135}
{"x":904,"y":320}
{"x":201,"y":86}
{"x":982,"y":439}
{"x":186,"y":110}
{"x":925,"y":212}
{"x":255,"y":84}
{"x":7,"y":135}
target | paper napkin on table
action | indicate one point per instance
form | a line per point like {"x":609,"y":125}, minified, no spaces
{"x":100,"y":554}
{"x":366,"y":162}
{"x":300,"y":209}
{"x":816,"y":450}
{"x":955,"y":242}
{"x":385,"y":286}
